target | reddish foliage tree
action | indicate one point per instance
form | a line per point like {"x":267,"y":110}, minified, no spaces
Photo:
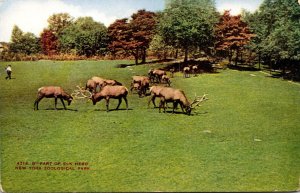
{"x":119,"y":35}
{"x":49,"y":42}
{"x":133,"y":35}
{"x":232,"y":34}
{"x":143,"y":28}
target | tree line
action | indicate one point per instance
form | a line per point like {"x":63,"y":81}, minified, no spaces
{"x":270,"y":35}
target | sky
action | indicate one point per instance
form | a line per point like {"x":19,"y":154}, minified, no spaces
{"x":32,"y":15}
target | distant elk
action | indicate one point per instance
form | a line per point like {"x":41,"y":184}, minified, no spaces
{"x":52,"y":92}
{"x":91,"y":85}
{"x":97,"y":82}
{"x":155,"y":75}
{"x":158,"y":74}
{"x":166,"y":79}
{"x":144,"y":83}
{"x":177,"y":96}
{"x":186,"y":72}
{"x":195,"y":69}
{"x":172,"y":70}
{"x":135,"y":86}
{"x":108,"y":92}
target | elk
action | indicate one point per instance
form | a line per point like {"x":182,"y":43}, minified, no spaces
{"x":98,"y":82}
{"x":135,"y":86}
{"x":108,"y":92}
{"x":91,"y":85}
{"x":177,"y":96}
{"x":154,"y":90}
{"x":111,"y":82}
{"x":52,"y":92}
{"x":172,"y":70}
{"x":158,"y":74}
{"x":195,"y":69}
{"x":144,"y":82}
{"x":186,"y":72}
{"x":166,"y":79}
{"x":151,"y":75}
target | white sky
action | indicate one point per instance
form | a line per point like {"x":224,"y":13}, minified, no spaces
{"x":32,"y":15}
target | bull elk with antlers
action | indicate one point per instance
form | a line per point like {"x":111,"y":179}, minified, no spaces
{"x":177,"y":96}
{"x":108,"y":92}
{"x":52,"y":92}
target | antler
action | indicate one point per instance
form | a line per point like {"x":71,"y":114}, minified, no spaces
{"x":198,"y":100}
{"x":81,"y":93}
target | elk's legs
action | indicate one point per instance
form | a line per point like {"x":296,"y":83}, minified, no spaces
{"x":120,"y":101}
{"x":125,"y":99}
{"x":36,"y":103}
{"x":62,"y":101}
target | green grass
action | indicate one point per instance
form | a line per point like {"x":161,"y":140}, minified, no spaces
{"x":244,"y":138}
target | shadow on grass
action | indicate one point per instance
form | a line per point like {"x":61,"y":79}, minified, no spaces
{"x":150,"y":62}
{"x":242,"y":67}
{"x":104,"y":110}
{"x":179,"y":112}
{"x":59,"y":109}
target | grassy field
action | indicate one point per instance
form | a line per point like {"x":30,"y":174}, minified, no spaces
{"x":244,"y":138}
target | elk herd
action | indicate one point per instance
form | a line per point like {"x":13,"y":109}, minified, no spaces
{"x":156,"y":85}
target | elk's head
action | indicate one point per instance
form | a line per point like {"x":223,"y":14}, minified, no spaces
{"x":70,"y":99}
{"x":188,"y":110}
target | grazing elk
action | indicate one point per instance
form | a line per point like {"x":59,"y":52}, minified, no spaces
{"x":177,"y":96}
{"x":135,"y":86}
{"x":151,"y":75}
{"x":108,"y":92}
{"x":52,"y":92}
{"x":172,"y":70}
{"x":186,"y":72}
{"x":144,"y":82}
{"x":154,"y":90}
{"x":195,"y":69}
{"x":91,"y":85}
{"x":166,"y":79}
{"x":158,"y":74}
{"x":99,"y":82}
{"x":111,"y":82}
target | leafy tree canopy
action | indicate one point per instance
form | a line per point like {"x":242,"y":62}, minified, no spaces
{"x":188,"y":23}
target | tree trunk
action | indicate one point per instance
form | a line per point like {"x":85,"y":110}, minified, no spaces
{"x":144,"y":53}
{"x":176,"y":53}
{"x":236,"y":57}
{"x":241,"y":57}
{"x":136,"y":56}
{"x":165,"y":54}
{"x":186,"y":52}
{"x":230,"y":56}
{"x":259,"y":60}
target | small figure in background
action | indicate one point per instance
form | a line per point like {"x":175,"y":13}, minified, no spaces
{"x":8,"y":71}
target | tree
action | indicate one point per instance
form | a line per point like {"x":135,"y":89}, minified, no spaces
{"x":133,"y":36}
{"x":58,"y":22}
{"x":142,"y":27}
{"x":232,"y":34}
{"x":25,"y":43}
{"x":277,"y":28}
{"x":118,"y":36}
{"x":85,"y":36}
{"x":188,"y":24}
{"x":49,"y":42}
